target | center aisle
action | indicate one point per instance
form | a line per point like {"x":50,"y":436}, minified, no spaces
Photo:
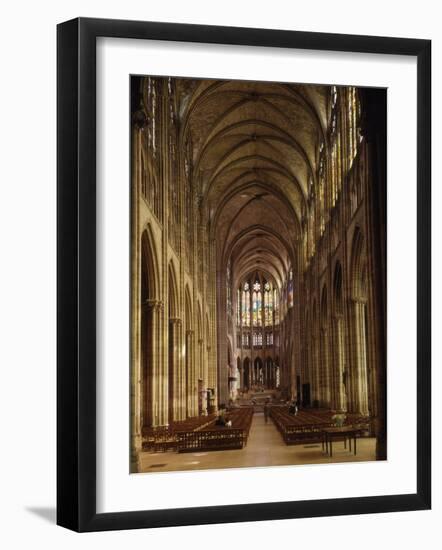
{"x":264,"y":444}
{"x":265,"y":447}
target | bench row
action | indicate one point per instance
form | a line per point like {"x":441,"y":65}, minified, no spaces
{"x":217,"y":438}
{"x":164,"y":438}
{"x":307,"y":427}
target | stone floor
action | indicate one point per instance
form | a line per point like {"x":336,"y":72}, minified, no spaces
{"x":265,"y":447}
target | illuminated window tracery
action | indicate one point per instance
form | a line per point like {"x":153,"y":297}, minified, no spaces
{"x":268,"y":305}
{"x":276,"y":303}
{"x":257,"y":304}
{"x":246,"y":306}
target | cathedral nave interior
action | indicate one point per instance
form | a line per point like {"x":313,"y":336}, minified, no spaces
{"x":258,"y":271}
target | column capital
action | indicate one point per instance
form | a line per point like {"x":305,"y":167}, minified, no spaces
{"x":358,"y":300}
{"x":175,"y":321}
{"x":190,"y":332}
{"x":153,"y":304}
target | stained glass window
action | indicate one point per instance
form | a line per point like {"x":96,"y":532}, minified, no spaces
{"x":246,"y":306}
{"x":257,"y":304}
{"x":276,"y":304}
{"x":268,"y":305}
{"x":238,"y":308}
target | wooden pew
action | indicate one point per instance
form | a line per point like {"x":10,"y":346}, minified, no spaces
{"x":216,"y":438}
{"x":307,"y":426}
{"x":165,"y":438}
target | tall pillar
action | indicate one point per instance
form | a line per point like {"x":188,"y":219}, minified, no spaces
{"x":325,"y":374}
{"x":192,"y":389}
{"x":316,"y":394}
{"x":176,"y":375}
{"x":340,"y":400}
{"x":136,"y":373}
{"x":359,"y":374}
{"x":157,"y":402}
{"x":201,"y":376}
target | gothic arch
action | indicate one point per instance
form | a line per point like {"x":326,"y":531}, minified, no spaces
{"x":149,"y":326}
{"x":358,"y":314}
{"x":358,"y":265}
{"x":149,"y":263}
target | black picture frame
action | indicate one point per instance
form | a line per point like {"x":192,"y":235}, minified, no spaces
{"x":76,"y":274}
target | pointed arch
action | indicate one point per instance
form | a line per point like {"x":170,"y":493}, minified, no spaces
{"x":358,"y":265}
{"x":148,"y":296}
{"x":149,"y":264}
{"x":360,"y":397}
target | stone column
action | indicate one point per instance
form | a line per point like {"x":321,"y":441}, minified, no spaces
{"x":206,"y":377}
{"x":201,"y":374}
{"x":316,"y":396}
{"x":325,"y":378}
{"x":359,"y":374}
{"x":175,"y":381}
{"x":192,"y":399}
{"x":340,"y":400}
{"x":159,"y":380}
{"x":136,"y":373}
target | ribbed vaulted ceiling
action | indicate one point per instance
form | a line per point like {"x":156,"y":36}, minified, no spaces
{"x":254,"y":152}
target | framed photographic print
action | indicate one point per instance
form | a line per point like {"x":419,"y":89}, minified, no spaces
{"x":242,"y":334}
